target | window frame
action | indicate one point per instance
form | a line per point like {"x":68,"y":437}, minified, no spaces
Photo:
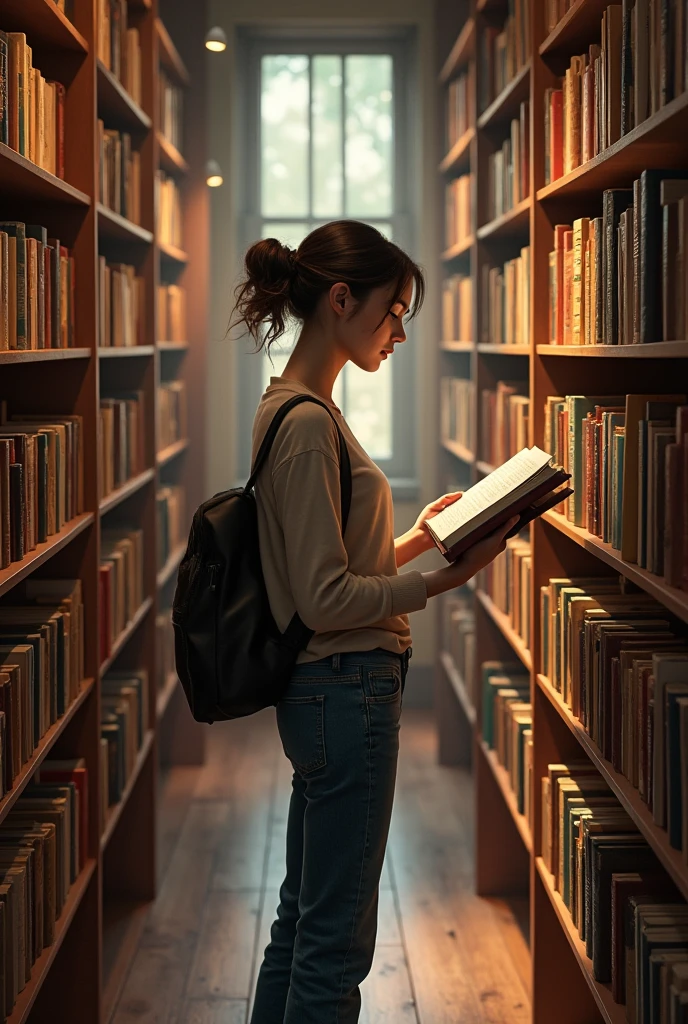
{"x":400,"y":44}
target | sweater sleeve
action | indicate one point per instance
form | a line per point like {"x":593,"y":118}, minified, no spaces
{"x":327,"y":596}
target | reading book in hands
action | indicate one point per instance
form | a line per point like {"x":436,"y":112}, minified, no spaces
{"x":527,"y":485}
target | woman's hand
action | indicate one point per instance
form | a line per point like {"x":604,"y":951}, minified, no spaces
{"x":417,"y":540}
{"x":469,"y":563}
{"x":430,"y":511}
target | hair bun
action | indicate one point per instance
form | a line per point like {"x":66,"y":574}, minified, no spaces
{"x":269,"y":265}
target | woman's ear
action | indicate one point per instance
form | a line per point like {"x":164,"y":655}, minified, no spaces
{"x":341,"y":299}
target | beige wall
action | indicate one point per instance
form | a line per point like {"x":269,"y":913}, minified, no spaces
{"x":226,"y":261}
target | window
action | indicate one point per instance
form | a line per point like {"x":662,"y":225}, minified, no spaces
{"x":325,"y":138}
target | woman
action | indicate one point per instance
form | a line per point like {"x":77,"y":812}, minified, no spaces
{"x":350,"y":289}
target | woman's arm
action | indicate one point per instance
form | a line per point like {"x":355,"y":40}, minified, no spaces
{"x":417,"y":540}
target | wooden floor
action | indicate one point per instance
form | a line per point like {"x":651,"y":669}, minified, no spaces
{"x":443,"y":955}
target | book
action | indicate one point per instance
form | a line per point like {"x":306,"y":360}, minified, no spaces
{"x":457,"y":402}
{"x":121,"y":305}
{"x":172,"y":526}
{"x":525,"y":485}
{"x":456,"y":307}
{"x":172,"y":412}
{"x":458,"y":205}
{"x":505,"y":301}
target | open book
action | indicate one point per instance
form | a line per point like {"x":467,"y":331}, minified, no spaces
{"x":527,"y":485}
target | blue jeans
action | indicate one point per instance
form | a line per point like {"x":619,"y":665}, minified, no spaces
{"x":339,"y":725}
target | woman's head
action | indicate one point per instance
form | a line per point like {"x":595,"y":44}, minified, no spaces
{"x":345,"y":276}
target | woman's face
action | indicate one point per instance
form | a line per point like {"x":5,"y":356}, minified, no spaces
{"x":369,"y":330}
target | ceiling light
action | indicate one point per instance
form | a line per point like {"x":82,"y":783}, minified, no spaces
{"x":216,"y":40}
{"x":213,"y":174}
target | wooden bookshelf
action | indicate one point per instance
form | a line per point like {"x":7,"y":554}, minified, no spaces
{"x":459,"y":450}
{"x":508,"y":854}
{"x":108,"y":902}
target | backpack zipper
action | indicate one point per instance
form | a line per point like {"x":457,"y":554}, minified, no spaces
{"x":213,"y":567}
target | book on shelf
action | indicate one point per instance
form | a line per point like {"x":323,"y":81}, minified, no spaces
{"x":458,"y":210}
{"x":505,"y":301}
{"x":171,"y":313}
{"x":169,"y":210}
{"x":457,"y":308}
{"x":118,"y":46}
{"x":32,"y":117}
{"x":502,"y":53}
{"x":164,"y":647}
{"x":526,"y":485}
{"x":638,"y":66}
{"x":171,"y":520}
{"x":124,"y":722}
{"x":171,"y":111}
{"x":121,"y":305}
{"x":507,"y":580}
{"x":121,"y":583}
{"x":504,"y":415}
{"x":172,"y":413}
{"x":458,"y":639}
{"x":457,"y":400}
{"x":37,"y":287}
{"x":41,"y":479}
{"x":121,"y":439}
{"x":508,"y":168}
{"x":119,"y":173}
{"x":507,"y":707}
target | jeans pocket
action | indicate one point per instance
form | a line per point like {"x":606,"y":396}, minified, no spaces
{"x":384,"y":685}
{"x":300,"y":721}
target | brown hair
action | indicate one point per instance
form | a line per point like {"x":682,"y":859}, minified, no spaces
{"x":283,"y":284}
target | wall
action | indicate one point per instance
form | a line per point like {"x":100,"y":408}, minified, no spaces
{"x":226,"y":261}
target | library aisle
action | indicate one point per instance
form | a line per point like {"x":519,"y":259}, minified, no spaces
{"x":443,"y":955}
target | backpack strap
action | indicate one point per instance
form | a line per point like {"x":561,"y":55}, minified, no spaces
{"x":297,"y":634}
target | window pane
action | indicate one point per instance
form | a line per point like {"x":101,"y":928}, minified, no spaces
{"x":288,"y":234}
{"x":327,"y":136}
{"x":369,"y":131}
{"x":284,"y":135}
{"x":273,"y":365}
{"x":369,"y":408}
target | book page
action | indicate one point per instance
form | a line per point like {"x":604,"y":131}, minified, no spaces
{"x":517,"y":471}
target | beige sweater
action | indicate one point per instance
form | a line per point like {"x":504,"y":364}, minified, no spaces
{"x":347,"y":590}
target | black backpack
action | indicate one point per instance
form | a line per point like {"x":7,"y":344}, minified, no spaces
{"x":230,"y":656}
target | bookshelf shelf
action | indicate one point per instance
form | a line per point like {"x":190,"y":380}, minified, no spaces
{"x":657,"y":142}
{"x":502,"y":779}
{"x":44,"y":747}
{"x":125,"y":636}
{"x":172,"y":346}
{"x":514,"y":222}
{"x":115,"y":812}
{"x":171,"y":452}
{"x":458,"y":450}
{"x":484,"y":467}
{"x":507,"y":630}
{"x":49,"y":25}
{"x":169,"y":56}
{"x":462,"y":248}
{"x":457,"y":346}
{"x":612,"y":1013}
{"x":461,"y":52}
{"x":173,"y":253}
{"x":165,"y":695}
{"x":18,"y":571}
{"x":503,"y":350}
{"x":574,"y":31}
{"x":42,"y":355}
{"x":125,"y":351}
{"x":27,"y":997}
{"x":171,"y":565}
{"x":458,"y":154}
{"x":171,"y":159}
{"x":113,"y":225}
{"x":672,"y":598}
{"x":115,"y":103}
{"x":657,"y":350}
{"x":458,"y":685}
{"x":627,"y":795}
{"x":26,"y":180}
{"x":132,"y":486}
{"x":505,"y":106}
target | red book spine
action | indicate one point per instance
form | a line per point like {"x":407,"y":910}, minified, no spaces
{"x":556,"y":120}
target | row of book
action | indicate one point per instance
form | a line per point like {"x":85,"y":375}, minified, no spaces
{"x":37,"y":289}
{"x":504,"y":416}
{"x":164,"y":647}
{"x":32,"y":108}
{"x":41,"y":666}
{"x":508,"y":168}
{"x":170,"y":111}
{"x":43,"y":849}
{"x":505,"y":301}
{"x":171,"y":313}
{"x":620,"y":279}
{"x":172,"y":413}
{"x":169,"y":210}
{"x":124,"y":722}
{"x":502,"y":53}
{"x":118,"y":46}
{"x":457,"y":308}
{"x":508,"y":582}
{"x":119,"y":173}
{"x":120,"y":583}
{"x":458,"y":639}
{"x":121,"y":305}
{"x":460,"y":99}
{"x":121,"y":438}
{"x":628,"y":458}
{"x":639,"y":65}
{"x":457,"y":407}
{"x":458,"y":207}
{"x":41,"y":479}
{"x":172,"y":524}
{"x":507,"y":726}
{"x":625,"y":909}
{"x":620,"y":663}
